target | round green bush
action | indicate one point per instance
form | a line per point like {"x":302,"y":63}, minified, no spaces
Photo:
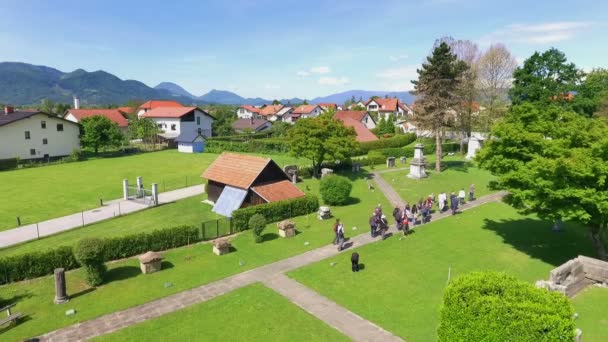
{"x":335,"y":190}
{"x":257,"y":223}
{"x":492,"y":306}
{"x":89,"y":252}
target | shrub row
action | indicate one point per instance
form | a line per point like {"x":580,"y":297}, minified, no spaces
{"x":398,"y":140}
{"x":9,"y":164}
{"x":38,"y":264}
{"x":252,"y":146}
{"x":241,"y":137}
{"x":277,"y":211}
{"x":408,"y":151}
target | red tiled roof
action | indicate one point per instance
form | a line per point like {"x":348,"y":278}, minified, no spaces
{"x":168,"y":112}
{"x":127,"y":110}
{"x":363,"y":134}
{"x":387,"y":105}
{"x":353,"y":114}
{"x":270,"y":110}
{"x":113,"y":114}
{"x":304,"y":109}
{"x":328,"y":105}
{"x":239,"y":170}
{"x":155,"y":104}
{"x":242,"y":124}
{"x":278,"y":191}
{"x":251,"y":109}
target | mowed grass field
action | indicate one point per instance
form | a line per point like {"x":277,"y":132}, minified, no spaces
{"x":183,"y":268}
{"x":252,"y":313}
{"x":457,"y":174}
{"x":42,"y":193}
{"x":402,"y":283}
{"x":591,"y":304}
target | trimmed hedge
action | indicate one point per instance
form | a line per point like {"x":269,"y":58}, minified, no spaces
{"x":241,"y":137}
{"x":335,"y":190}
{"x":251,"y":146}
{"x":38,"y":264}
{"x":277,"y":211}
{"x":408,"y":151}
{"x":399,"y":140}
{"x":9,"y":164}
{"x":492,"y":306}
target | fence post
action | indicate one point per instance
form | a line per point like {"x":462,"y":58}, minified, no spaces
{"x":217,"y":228}
{"x":37,"y":231}
{"x":125,"y":189}
{"x":82,"y":214}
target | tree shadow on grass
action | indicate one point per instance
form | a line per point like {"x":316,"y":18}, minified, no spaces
{"x":82,"y":293}
{"x":455,"y":165}
{"x":122,"y":273}
{"x":536,"y":238}
{"x":14,"y":300}
{"x":269,"y":237}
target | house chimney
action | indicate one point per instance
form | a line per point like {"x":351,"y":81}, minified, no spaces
{"x":9,"y":109}
{"x":76,"y":103}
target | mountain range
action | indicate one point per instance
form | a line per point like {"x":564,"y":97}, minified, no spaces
{"x":27,"y":84}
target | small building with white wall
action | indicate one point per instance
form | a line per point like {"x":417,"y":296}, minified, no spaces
{"x":173,"y":121}
{"x":36,"y":135}
{"x":188,"y":142}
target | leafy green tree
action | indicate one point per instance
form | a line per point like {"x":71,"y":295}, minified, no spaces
{"x":320,"y":139}
{"x":437,"y":93}
{"x":89,"y":254}
{"x":224,"y":118}
{"x":279,"y":129}
{"x":257,"y":223}
{"x":545,"y":78}
{"x":335,"y":190}
{"x":276,"y":102}
{"x":491,"y":306}
{"x":592,"y":93}
{"x":100,"y":132}
{"x":305,"y":102}
{"x":375,"y":97}
{"x":554,"y":163}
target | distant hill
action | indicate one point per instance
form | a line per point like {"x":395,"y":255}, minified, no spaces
{"x":174,"y":89}
{"x":364,"y":94}
{"x":24,"y":84}
{"x":27,"y":84}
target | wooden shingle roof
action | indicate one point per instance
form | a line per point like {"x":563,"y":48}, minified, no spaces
{"x":238,"y":170}
{"x":278,"y":191}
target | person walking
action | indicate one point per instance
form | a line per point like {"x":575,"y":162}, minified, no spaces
{"x":414,"y":213}
{"x":441,"y":199}
{"x":341,"y":237}
{"x":397,"y":217}
{"x":336,"y":225}
{"x":471,"y":192}
{"x":453,"y":203}
{"x":461,"y":196}
{"x":373,"y":224}
{"x":354,"y":261}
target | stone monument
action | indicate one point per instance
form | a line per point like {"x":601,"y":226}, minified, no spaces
{"x":475,"y":144}
{"x":418,"y":163}
{"x":324,"y":213}
{"x":287,"y":228}
{"x":61,"y":295}
{"x":221,"y":246}
{"x":326,"y":172}
{"x":390,"y":162}
{"x":356,"y":167}
{"x":576,"y":274}
{"x":150,"y":262}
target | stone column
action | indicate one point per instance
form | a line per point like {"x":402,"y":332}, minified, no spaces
{"x":61,"y":295}
{"x":294,"y":177}
{"x":125,"y":189}
{"x":140,"y":187}
{"x":155,"y":193}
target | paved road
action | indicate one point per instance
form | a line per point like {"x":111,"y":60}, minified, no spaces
{"x":271,"y":274}
{"x":109,"y":210}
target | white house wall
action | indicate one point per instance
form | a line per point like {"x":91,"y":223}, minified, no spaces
{"x":190,"y":126}
{"x":59,"y":143}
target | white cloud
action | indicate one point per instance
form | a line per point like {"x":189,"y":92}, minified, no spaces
{"x":303,"y":73}
{"x":320,"y":70}
{"x":397,"y":58}
{"x":544,"y":33}
{"x":403,"y":73}
{"x":272,"y":86}
{"x":333,"y":81}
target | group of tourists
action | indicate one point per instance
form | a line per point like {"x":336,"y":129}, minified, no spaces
{"x":454,"y":200}
{"x":378,"y":222}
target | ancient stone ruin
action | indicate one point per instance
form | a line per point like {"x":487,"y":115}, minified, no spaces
{"x":418,"y":163}
{"x":326,"y":172}
{"x":324,"y":213}
{"x":576,"y":274}
{"x":287,"y":228}
{"x":150,"y":262}
{"x":221,"y":246}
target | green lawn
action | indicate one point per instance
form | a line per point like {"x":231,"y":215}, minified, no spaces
{"x":189,"y":211}
{"x":458,"y":174}
{"x":41,"y":193}
{"x":591,"y":307}
{"x":185,"y":268}
{"x":253,"y":313}
{"x":402,"y":283}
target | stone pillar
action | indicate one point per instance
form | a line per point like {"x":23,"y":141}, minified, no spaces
{"x":578,"y":337}
{"x":61,"y":295}
{"x":125,"y":189}
{"x":474,"y":145}
{"x":155,"y":193}
{"x":418,"y":163}
{"x":294,"y":176}
{"x":140,"y":187}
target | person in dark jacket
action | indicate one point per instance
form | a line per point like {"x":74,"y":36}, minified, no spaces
{"x":397,"y":217}
{"x":453,"y":203}
{"x":354,"y":261}
{"x":373,"y":224}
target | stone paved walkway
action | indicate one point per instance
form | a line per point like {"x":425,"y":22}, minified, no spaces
{"x":343,"y":320}
{"x":109,"y":210}
{"x":389,"y":192}
{"x":269,"y":274}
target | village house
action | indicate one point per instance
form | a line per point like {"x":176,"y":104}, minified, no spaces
{"x":115,"y":115}
{"x":305,"y":111}
{"x":153,"y":104}
{"x":251,"y":125}
{"x":357,"y":115}
{"x":248,"y":112}
{"x":235,"y":181}
{"x":328,"y":106}
{"x":36,"y":135}
{"x":270,"y":112}
{"x":190,"y":142}
{"x":387,"y":107}
{"x":363,"y":133}
{"x":173,"y":121}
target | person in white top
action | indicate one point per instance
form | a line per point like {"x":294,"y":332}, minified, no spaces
{"x":441,"y":199}
{"x":461,"y":196}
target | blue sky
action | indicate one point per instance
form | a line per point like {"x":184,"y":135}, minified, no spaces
{"x":280,"y":49}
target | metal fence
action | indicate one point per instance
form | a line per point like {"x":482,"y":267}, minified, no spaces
{"x":217,"y":228}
